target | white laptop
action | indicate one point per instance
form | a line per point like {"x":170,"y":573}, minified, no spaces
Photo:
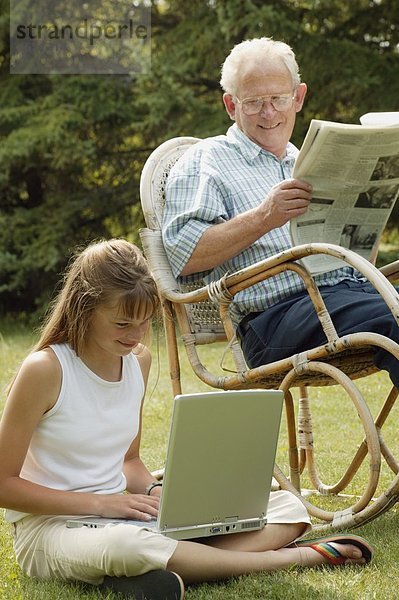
{"x":219,"y":465}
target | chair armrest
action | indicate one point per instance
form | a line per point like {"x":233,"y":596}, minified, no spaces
{"x":235,"y":282}
{"x":391,"y":271}
{"x":374,"y":275}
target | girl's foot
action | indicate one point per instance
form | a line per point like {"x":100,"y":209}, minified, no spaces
{"x":154,"y":585}
{"x":334,"y":550}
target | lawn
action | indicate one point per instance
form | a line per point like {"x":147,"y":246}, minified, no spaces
{"x":337,"y":435}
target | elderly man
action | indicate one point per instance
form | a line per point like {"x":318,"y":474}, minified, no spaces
{"x":230,"y":199}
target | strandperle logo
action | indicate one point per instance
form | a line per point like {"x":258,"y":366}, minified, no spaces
{"x":85,"y":30}
{"x":99,"y":37}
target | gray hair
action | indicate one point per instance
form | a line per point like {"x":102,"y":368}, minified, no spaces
{"x":257,"y":50}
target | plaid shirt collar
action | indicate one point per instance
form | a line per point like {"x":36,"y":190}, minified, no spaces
{"x":250,"y":150}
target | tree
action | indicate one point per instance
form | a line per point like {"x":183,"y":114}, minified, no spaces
{"x":72,"y":147}
{"x":348,"y":54}
{"x":70,"y":159}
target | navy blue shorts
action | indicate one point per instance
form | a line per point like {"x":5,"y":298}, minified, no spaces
{"x":292,"y":326}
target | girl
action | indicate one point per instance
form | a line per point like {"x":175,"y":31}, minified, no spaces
{"x":70,"y":445}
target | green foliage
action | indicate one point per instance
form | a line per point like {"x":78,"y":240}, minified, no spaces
{"x":72,"y":147}
{"x":66,"y":171}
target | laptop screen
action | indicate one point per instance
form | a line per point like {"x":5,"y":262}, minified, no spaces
{"x":220,"y":457}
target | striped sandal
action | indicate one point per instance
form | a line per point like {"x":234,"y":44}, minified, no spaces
{"x":323,"y":546}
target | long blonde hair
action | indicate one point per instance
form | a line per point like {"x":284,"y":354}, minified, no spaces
{"x":104,"y":272}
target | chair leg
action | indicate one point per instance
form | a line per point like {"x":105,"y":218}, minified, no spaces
{"x":292,"y":441}
{"x":173,"y":353}
{"x":305,"y":430}
{"x":360,"y":513}
{"x":379,"y":422}
{"x":370,"y":447}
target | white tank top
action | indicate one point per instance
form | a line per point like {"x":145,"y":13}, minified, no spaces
{"x":81,"y":442}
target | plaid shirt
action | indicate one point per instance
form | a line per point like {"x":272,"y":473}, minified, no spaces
{"x":215,"y":180}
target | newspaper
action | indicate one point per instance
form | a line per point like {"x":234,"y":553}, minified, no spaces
{"x":354,"y":171}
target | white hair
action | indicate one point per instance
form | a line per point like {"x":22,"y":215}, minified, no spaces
{"x":257,"y":50}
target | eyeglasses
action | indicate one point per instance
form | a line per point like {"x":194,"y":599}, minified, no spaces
{"x":253,"y":106}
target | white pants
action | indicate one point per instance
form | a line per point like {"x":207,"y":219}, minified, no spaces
{"x":47,"y":549}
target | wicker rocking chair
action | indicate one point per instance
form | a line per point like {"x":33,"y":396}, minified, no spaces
{"x":202,"y":317}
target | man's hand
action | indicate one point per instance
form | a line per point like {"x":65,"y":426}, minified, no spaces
{"x":286,"y":200}
{"x":221,"y":242}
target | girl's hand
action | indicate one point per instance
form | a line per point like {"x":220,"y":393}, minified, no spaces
{"x":128,"y":506}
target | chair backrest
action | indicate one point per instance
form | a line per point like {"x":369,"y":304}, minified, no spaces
{"x":154,"y":176}
{"x":204,"y":317}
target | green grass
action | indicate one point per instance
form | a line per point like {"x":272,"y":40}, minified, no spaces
{"x":337,"y":435}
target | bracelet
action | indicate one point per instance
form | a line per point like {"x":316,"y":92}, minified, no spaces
{"x":152,"y":485}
